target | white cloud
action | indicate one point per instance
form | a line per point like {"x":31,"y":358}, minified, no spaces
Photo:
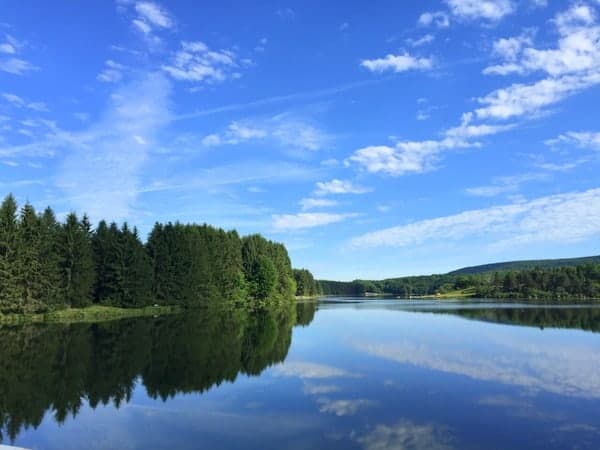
{"x":490,"y":10}
{"x":337,"y":186}
{"x":561,"y":218}
{"x":421,"y":156}
{"x":397,"y":63}
{"x":10,"y":45}
{"x":11,"y":63}
{"x":285,"y":130}
{"x":439,"y":18}
{"x":154,"y":14}
{"x":520,"y":99}
{"x":237,"y":131}
{"x":112,"y":72}
{"x":582,"y":139}
{"x":283,"y":222}
{"x":506,"y":184}
{"x":211,"y":140}
{"x":19,"y":102}
{"x":195,"y":61}
{"x":423,"y":40}
{"x":312,"y":203}
{"x":142,"y":26}
{"x":406,"y":156}
{"x":16,"y":66}
{"x":578,"y":48}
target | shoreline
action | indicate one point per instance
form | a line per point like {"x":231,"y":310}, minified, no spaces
{"x":88,"y":314}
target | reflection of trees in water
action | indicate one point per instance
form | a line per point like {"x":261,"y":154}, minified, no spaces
{"x":305,"y":312}
{"x":54,"y":366}
{"x":577,"y":318}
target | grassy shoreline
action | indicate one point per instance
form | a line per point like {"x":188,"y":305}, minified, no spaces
{"x":93,"y":313}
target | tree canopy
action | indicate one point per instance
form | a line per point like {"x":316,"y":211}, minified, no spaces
{"x":46,"y":264}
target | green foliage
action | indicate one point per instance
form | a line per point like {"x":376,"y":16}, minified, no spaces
{"x":306,"y":285}
{"x":260,"y":259}
{"x":47,"y":265}
{"x":561,"y":283}
{"x":76,"y":262}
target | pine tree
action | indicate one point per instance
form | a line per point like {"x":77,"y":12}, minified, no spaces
{"x":30,"y":277}
{"x":49,"y":259}
{"x":9,"y":293}
{"x":76,"y":262}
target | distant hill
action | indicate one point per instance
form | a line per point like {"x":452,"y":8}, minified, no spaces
{"x":525,"y":265}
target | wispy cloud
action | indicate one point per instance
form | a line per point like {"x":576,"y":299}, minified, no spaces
{"x":581,"y":139}
{"x":490,"y":10}
{"x":102,"y":171}
{"x":561,"y":218}
{"x":111,"y":73}
{"x":506,"y":184}
{"x":196,"y":62}
{"x":312,"y":203}
{"x":285,"y":130}
{"x":423,"y":40}
{"x":10,"y":62}
{"x":397,"y":63}
{"x":337,"y":186}
{"x":20,"y":102}
{"x":300,"y":221}
{"x":487,"y":11}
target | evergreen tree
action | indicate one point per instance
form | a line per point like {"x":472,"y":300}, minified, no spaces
{"x":49,"y":259}
{"x":9,"y":293}
{"x":76,"y":262}
{"x":30,"y":277}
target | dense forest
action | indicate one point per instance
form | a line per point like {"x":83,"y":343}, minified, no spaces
{"x":556,"y":283}
{"x":306,"y":285}
{"x":58,"y":368}
{"x":46,"y":264}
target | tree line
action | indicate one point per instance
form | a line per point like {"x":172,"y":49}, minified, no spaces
{"x":306,"y":285}
{"x":552,"y":283}
{"x":46,"y":264}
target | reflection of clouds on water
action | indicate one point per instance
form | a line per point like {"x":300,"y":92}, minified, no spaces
{"x":562,"y":369}
{"x":304,"y":369}
{"x":343,"y":407}
{"x":316,"y":389}
{"x":523,"y":408}
{"x":406,"y":435}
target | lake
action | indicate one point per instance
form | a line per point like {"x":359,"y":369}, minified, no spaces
{"x":339,"y":374}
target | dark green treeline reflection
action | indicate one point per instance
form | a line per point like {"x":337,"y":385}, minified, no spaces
{"x":56,"y":367}
{"x":587,"y":319}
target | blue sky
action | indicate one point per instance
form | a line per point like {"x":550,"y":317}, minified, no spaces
{"x":374,"y":139}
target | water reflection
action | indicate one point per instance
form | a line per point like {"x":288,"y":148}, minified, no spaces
{"x":371,"y":375}
{"x":57,"y":367}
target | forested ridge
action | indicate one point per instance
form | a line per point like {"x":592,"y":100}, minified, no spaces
{"x":46,"y":264}
{"x":516,"y":266}
{"x":555,"y":283}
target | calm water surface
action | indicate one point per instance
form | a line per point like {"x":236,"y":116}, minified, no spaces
{"x":344,"y":373}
